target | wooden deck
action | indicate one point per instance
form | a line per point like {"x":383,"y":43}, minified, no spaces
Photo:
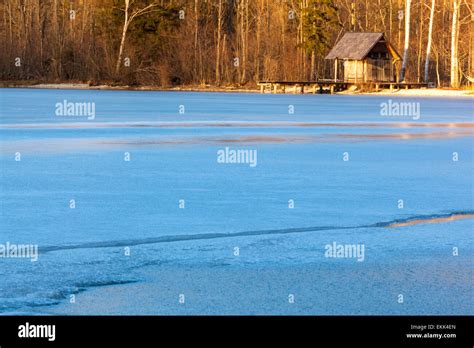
{"x":331,"y":86}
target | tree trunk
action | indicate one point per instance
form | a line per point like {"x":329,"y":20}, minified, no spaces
{"x":420,"y":43}
{"x":391,"y":18}
{"x":245,"y":42}
{"x":218,"y":45}
{"x":258,"y":39}
{"x":407,"y":40}
{"x":454,"y":47}
{"x":399,"y":43}
{"x":428,"y":46}
{"x":124,"y":35}
{"x":438,"y":78}
{"x":196,"y":31}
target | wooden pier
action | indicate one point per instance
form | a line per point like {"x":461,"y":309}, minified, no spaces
{"x":331,"y":86}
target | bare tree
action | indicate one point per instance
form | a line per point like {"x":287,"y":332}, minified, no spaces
{"x":428,"y":46}
{"x":127,"y":20}
{"x":218,"y":45}
{"x":407,"y":40}
{"x":454,"y":46}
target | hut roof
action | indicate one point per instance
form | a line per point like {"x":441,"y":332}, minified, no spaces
{"x":358,"y":45}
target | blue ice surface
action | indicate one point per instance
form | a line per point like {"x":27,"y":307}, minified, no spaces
{"x":135,"y":203}
{"x":38,"y":106}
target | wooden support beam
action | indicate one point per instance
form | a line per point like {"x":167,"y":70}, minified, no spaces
{"x":356,"y":64}
{"x":365,"y":70}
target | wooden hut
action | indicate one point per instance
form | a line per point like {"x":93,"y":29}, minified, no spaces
{"x":365,"y":58}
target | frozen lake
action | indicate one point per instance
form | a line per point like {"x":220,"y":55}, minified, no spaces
{"x":134,"y":211}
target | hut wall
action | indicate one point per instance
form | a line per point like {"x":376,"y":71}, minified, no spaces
{"x":369,"y":70}
{"x":379,"y":70}
{"x":354,"y":71}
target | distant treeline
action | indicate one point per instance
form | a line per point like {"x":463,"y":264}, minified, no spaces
{"x":172,"y":42}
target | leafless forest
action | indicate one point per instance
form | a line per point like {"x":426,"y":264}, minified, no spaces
{"x":225,"y":42}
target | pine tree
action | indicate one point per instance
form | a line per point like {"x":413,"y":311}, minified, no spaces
{"x":319,"y":19}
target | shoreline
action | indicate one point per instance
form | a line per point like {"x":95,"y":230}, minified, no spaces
{"x":423,"y":92}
